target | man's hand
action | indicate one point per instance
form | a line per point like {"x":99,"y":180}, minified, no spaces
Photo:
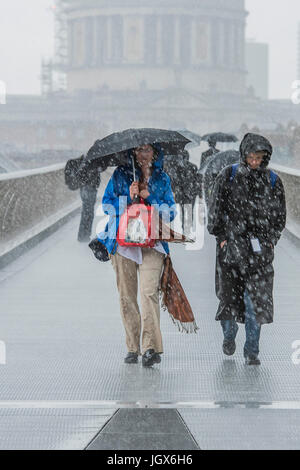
{"x":223,"y":243}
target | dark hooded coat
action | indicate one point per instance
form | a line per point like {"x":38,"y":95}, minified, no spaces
{"x":240,"y":208}
{"x":205,"y":156}
{"x":185,"y":179}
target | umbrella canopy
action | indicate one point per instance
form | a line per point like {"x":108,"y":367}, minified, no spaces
{"x":215,"y":137}
{"x":112,"y":150}
{"x":215,"y":165}
{"x":194,"y":138}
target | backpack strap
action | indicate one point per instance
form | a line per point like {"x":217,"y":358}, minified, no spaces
{"x":233,"y":171}
{"x":273,"y":178}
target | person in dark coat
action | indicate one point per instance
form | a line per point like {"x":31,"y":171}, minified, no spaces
{"x":211,"y":152}
{"x":186,"y":186}
{"x":247,"y":214}
{"x":88,"y":194}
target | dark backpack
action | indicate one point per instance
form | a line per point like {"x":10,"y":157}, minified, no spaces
{"x":234,"y":168}
{"x":73,"y":178}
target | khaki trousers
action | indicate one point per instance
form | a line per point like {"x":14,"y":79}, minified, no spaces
{"x":127,"y":281}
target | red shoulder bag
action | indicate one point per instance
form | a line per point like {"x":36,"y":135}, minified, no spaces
{"x":137,"y":226}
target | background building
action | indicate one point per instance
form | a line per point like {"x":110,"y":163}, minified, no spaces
{"x":154,"y":45}
{"x":257,"y":65}
{"x":134,"y":63}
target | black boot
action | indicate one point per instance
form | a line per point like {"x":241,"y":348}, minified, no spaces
{"x":149,"y":358}
{"x":131,"y":358}
{"x":157,"y":358}
{"x":252,"y":361}
{"x":229,"y":347}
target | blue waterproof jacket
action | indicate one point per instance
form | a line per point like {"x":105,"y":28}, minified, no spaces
{"x":161,"y":196}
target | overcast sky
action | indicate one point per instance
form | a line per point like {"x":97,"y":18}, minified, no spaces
{"x":26,"y":35}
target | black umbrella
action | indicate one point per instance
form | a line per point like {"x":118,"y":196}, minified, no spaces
{"x":215,"y":137}
{"x":215,"y":165}
{"x":112,"y":150}
{"x":192,"y":136}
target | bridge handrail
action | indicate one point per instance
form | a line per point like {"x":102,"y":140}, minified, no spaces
{"x":291,"y":181}
{"x":285,"y":169}
{"x":35,"y":171}
{"x":31,"y":201}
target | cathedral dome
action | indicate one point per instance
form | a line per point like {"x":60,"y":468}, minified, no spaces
{"x":133,"y":44}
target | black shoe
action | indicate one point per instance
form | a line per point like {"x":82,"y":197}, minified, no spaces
{"x":149,"y":358}
{"x":157,"y":358}
{"x":252,"y":361}
{"x":131,"y":358}
{"x":229,"y":347}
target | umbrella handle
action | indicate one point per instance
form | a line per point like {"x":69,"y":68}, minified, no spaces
{"x":133,"y":168}
{"x":136,"y":199}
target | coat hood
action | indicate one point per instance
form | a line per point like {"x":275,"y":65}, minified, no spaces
{"x":255,"y":143}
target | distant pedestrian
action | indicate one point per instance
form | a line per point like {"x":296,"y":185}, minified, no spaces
{"x":205,"y":156}
{"x":186,"y":186}
{"x":88,"y":194}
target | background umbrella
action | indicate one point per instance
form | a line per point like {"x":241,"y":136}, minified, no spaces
{"x":112,"y":150}
{"x":215,"y":165}
{"x":215,"y":137}
{"x":212,"y":140}
{"x":194,"y":138}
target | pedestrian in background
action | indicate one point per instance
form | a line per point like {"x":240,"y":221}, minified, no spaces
{"x":88,"y":194}
{"x":186,"y":186}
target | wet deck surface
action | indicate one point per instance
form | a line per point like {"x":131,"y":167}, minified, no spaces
{"x":64,"y":341}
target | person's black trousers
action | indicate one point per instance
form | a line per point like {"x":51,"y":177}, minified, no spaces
{"x":187,"y":215}
{"x":88,"y":196}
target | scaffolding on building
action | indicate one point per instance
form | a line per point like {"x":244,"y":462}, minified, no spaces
{"x":61,"y":35}
{"x":54,"y":72}
{"x":46,"y":77}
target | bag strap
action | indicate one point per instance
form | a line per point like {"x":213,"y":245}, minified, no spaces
{"x":233,"y":171}
{"x":273,"y":178}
